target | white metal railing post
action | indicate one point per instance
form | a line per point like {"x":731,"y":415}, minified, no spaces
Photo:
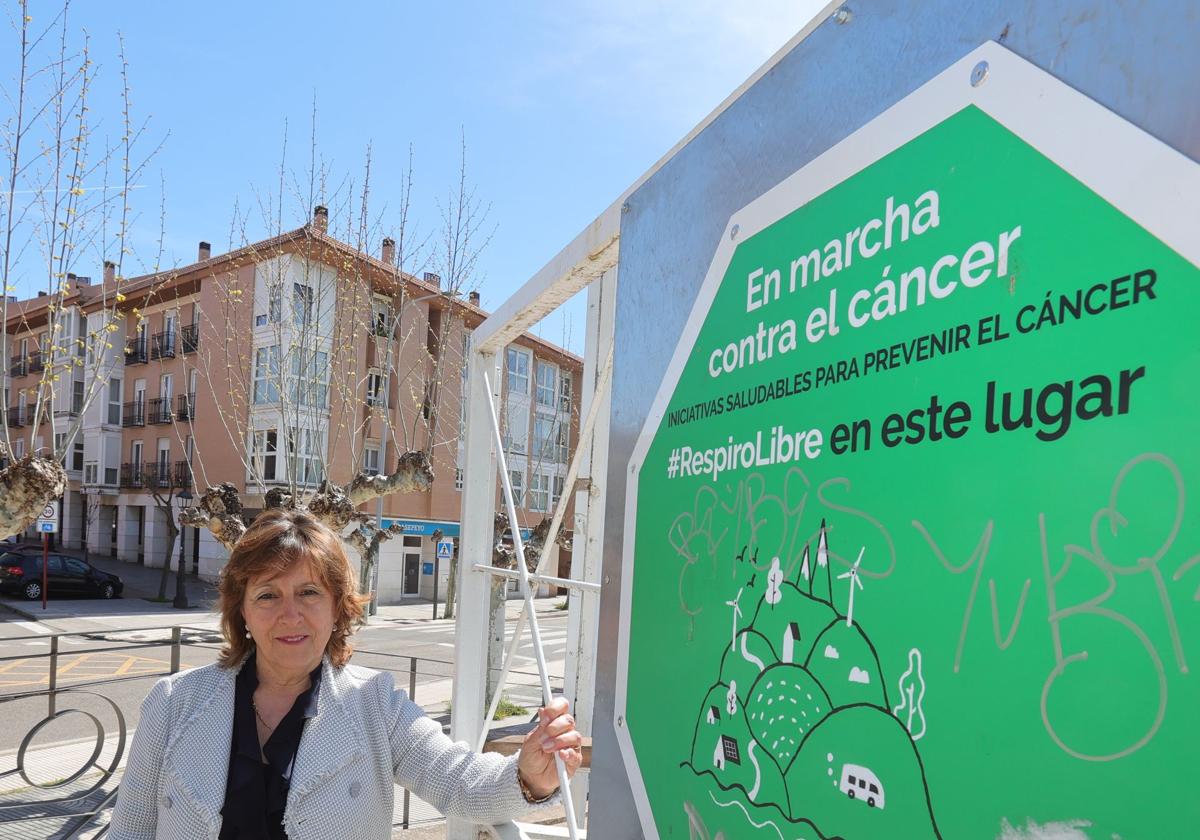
{"x":477,"y":535}
{"x":586,"y":555}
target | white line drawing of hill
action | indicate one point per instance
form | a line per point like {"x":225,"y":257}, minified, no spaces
{"x":786,"y":707}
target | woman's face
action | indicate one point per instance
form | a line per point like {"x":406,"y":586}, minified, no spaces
{"x":290,"y":614}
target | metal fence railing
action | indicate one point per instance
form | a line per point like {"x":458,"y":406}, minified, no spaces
{"x":65,"y":790}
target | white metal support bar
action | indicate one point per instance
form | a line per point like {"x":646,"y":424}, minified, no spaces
{"x":560,"y":511}
{"x":564,"y":781}
{"x":513,"y":574}
{"x":583,"y":615}
{"x":474,"y":591}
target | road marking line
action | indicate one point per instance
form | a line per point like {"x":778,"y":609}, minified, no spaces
{"x":33,"y":627}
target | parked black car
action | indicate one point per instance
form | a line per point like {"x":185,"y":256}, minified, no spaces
{"x":22,"y":573}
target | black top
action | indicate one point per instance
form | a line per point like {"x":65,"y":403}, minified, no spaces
{"x":256,"y":792}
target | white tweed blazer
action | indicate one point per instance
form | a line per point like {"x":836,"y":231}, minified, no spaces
{"x":366,"y":737}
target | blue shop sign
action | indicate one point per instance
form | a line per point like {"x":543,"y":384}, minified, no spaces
{"x":424,"y":528}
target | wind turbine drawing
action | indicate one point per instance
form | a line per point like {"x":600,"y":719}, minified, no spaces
{"x":855,"y":580}
{"x":737,"y":613}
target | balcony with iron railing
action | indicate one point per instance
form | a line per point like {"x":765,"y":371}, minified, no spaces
{"x":135,"y":414}
{"x":19,"y":366}
{"x":17,"y":416}
{"x":162,"y":345}
{"x":185,"y":407}
{"x":189,"y":336}
{"x":156,"y":475}
{"x":135,"y":351}
{"x":160,"y":411}
{"x":133,"y":476}
{"x":37,"y":363}
{"x":183,"y":475}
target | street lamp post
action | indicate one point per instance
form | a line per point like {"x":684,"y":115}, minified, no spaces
{"x":181,"y":601}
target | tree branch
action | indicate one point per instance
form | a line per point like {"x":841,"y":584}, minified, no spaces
{"x":220,"y":511}
{"x":413,"y":474}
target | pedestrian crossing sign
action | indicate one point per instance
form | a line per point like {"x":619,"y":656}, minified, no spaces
{"x":445,"y":549}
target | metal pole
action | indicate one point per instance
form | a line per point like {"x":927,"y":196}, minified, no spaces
{"x":45,"y":567}
{"x":176,"y":636}
{"x":564,"y":781}
{"x":53,"y":672}
{"x":437,"y":567}
{"x":412,"y":695}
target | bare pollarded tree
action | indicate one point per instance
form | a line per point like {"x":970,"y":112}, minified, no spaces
{"x":69,"y":170}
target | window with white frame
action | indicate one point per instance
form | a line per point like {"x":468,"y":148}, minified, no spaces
{"x":77,"y":455}
{"x":517,"y":478}
{"x":304,"y":455}
{"x":516,"y":426}
{"x":302,"y":304}
{"x":381,"y":321}
{"x":518,"y":370}
{"x":114,"y":401}
{"x":91,"y":471}
{"x":371,"y":459}
{"x":557,"y":491}
{"x":562,"y":436}
{"x":164,"y":460}
{"x":547,"y":384}
{"x":264,"y":450}
{"x":274,"y":302}
{"x":310,"y":377}
{"x":565,"y":387}
{"x":266,"y":375}
{"x":544,"y":436}
{"x":539,"y":492}
{"x":59,"y":439}
{"x":18,"y":449}
{"x":78,"y":393}
{"x":376,"y":387}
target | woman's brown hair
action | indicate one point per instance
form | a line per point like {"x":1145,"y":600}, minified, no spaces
{"x":275,"y":540}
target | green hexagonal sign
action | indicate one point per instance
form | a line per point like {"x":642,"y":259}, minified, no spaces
{"x":911,"y":549}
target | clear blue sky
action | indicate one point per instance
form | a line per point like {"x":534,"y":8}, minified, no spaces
{"x":563,"y":105}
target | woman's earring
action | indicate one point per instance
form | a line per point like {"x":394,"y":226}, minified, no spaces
{"x":247,"y":632}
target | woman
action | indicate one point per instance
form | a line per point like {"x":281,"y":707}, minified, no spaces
{"x":283,"y":738}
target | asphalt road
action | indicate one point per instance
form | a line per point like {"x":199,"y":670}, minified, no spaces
{"x":129,"y":662}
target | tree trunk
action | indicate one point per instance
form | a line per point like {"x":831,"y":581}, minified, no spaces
{"x":495,"y":660}
{"x":451,"y":587}
{"x":365,"y":572}
{"x":166,"y":569}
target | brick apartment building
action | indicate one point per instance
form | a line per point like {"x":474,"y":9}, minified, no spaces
{"x":275,"y":365}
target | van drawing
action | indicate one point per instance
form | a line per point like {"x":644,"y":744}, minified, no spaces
{"x":860,"y":783}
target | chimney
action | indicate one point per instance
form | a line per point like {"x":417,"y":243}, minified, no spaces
{"x":205,"y":251}
{"x":71,"y":282}
{"x":473,"y":297}
{"x":110,"y":271}
{"x":83,"y":281}
{"x":41,"y":294}
{"x":389,"y":250}
{"x":321,"y":218}
{"x":433,"y":279}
